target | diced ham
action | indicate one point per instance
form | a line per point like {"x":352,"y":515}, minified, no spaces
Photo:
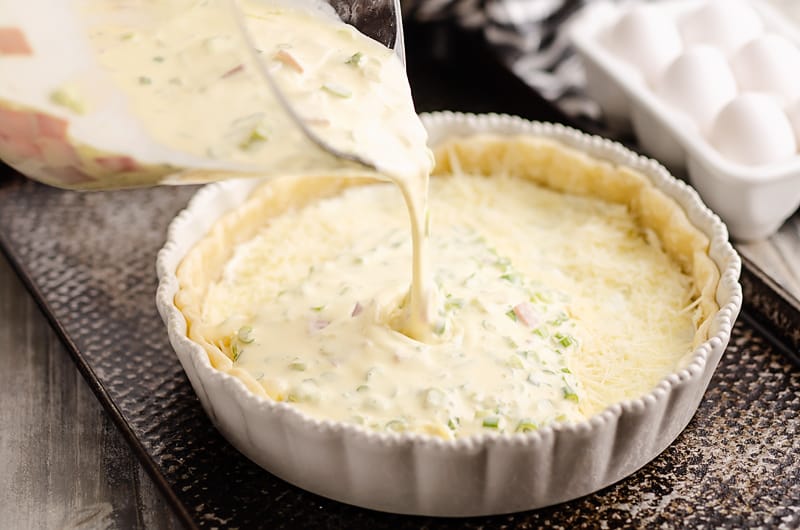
{"x":18,"y":149}
{"x":19,"y":125}
{"x":233,"y":71}
{"x":52,"y":126}
{"x":316,"y":325}
{"x":289,"y":60}
{"x":57,"y":152}
{"x":67,"y":176}
{"x":526,"y":314}
{"x":27,"y":149}
{"x":117,"y":164}
{"x":318,"y":122}
{"x":13,"y":42}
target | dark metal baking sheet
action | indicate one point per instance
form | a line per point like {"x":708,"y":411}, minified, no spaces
{"x":88,"y":259}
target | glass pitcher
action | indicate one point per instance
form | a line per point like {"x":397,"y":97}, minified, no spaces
{"x":68,"y":121}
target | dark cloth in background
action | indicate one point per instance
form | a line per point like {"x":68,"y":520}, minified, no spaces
{"x":531,"y":39}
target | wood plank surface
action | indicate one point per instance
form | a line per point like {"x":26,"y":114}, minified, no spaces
{"x":63,"y":464}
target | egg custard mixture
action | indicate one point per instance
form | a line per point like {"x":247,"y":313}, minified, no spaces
{"x":190,"y":79}
{"x":185,"y":68}
{"x":562,"y":284}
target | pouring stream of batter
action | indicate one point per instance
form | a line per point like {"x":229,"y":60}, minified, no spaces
{"x":193,"y":85}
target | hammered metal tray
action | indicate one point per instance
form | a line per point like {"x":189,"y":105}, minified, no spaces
{"x":88,"y":259}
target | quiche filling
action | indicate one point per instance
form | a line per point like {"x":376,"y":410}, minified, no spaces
{"x":551,"y":301}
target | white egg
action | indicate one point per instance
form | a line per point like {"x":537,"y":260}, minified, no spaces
{"x":724,"y":24}
{"x":752,"y":130}
{"x":769,"y":63}
{"x":646,"y":39}
{"x":794,"y":119}
{"x":699,"y":82}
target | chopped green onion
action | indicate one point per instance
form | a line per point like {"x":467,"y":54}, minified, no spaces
{"x":144,"y":80}
{"x":298,"y":365}
{"x":356,"y":59}
{"x":245,"y":334}
{"x":258,"y":135}
{"x":514,"y":361}
{"x":362,"y":388}
{"x":511,"y":314}
{"x":337,"y":90}
{"x":455,"y":303}
{"x":491,"y":422}
{"x":526,"y":425}
{"x":453,"y":423}
{"x":511,"y":277}
{"x":158,"y":59}
{"x":540,"y":297}
{"x":67,"y":98}
{"x":318,"y":308}
{"x":566,"y":370}
{"x":396,"y":426}
{"x":570,"y":394}
{"x":440,"y":327}
{"x":564,"y":340}
{"x":235,"y":352}
{"x":540,"y":331}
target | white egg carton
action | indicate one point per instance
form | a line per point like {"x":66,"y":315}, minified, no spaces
{"x":754,"y":200}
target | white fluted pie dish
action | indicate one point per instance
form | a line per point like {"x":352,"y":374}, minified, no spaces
{"x":476,"y":475}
